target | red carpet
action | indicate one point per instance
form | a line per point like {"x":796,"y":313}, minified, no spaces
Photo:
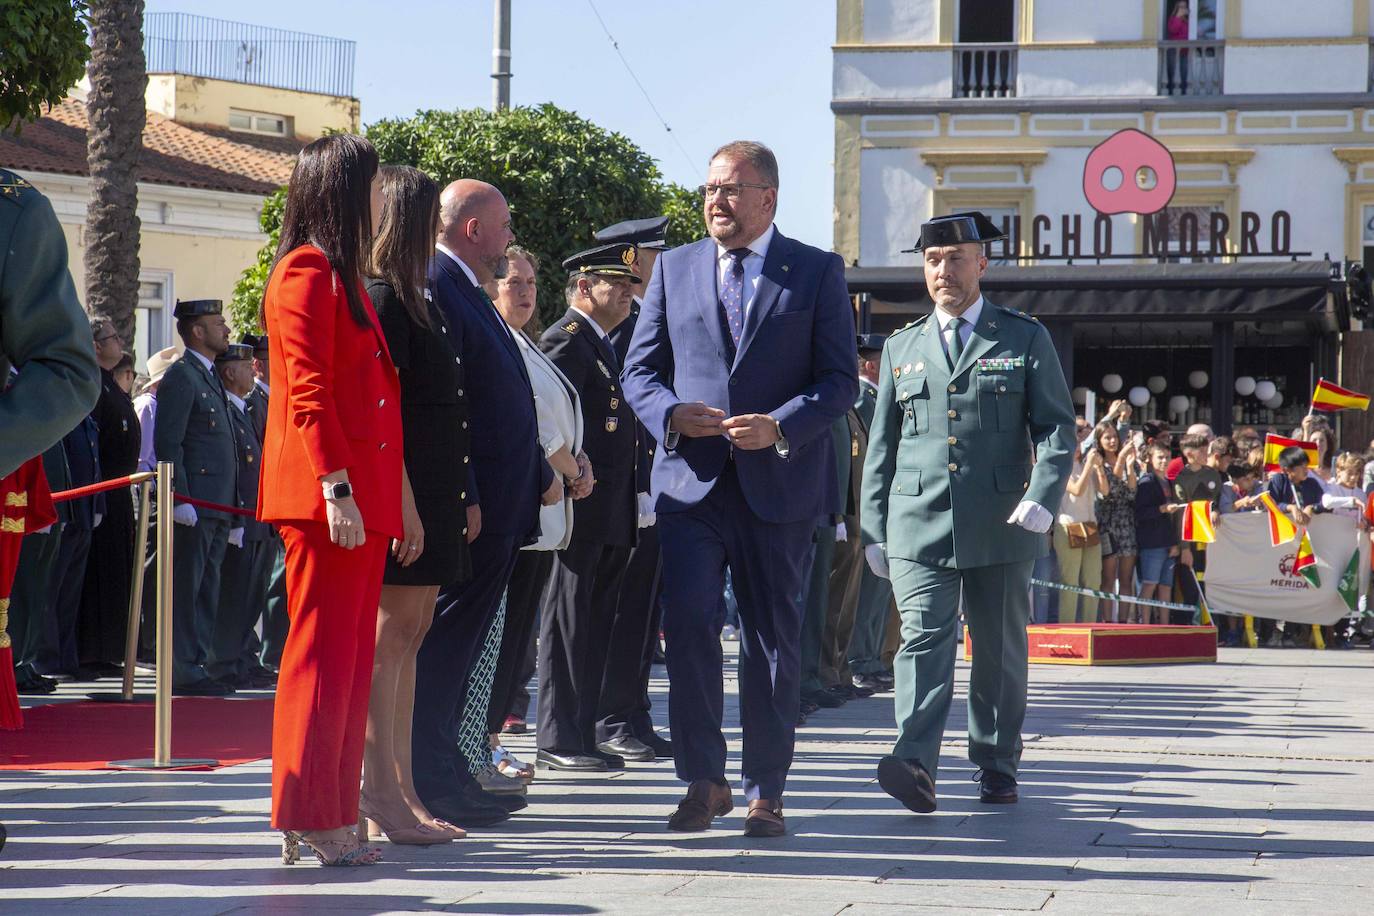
{"x":87,"y":736}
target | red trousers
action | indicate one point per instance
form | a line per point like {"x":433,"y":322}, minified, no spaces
{"x":320,"y":720}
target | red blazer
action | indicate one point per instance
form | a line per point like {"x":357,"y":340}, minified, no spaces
{"x":337,"y":402}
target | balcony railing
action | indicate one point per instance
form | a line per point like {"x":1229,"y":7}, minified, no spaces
{"x":242,"y":53}
{"x":1191,"y":67}
{"x":984,"y":71}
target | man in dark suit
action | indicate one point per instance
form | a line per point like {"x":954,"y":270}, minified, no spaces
{"x":575,"y":628}
{"x":624,"y":725}
{"x":742,"y":358}
{"x":194,"y":433}
{"x":503,"y":486}
{"x":275,"y":622}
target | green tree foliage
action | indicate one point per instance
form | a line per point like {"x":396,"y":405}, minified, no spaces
{"x":44,"y":54}
{"x":243,"y":308}
{"x":563,"y":176}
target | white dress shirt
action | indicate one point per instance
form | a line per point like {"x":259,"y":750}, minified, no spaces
{"x":969,"y":318}
{"x":237,"y":402}
{"x":753,"y":264}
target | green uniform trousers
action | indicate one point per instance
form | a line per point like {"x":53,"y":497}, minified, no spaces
{"x":997,"y":607}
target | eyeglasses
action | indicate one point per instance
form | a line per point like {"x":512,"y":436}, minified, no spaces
{"x":105,"y":338}
{"x":731,"y":191}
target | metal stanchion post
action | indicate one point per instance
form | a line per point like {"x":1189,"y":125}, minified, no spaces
{"x":126,"y":693}
{"x":162,"y":735}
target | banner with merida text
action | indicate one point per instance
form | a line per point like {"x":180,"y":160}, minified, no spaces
{"x":1246,"y":574}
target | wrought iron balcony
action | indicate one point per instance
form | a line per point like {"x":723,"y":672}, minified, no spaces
{"x":984,"y":71}
{"x":242,"y":53}
{"x":1191,"y":67}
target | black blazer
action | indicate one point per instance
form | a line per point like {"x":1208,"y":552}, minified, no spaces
{"x":434,"y":405}
{"x":609,"y":436}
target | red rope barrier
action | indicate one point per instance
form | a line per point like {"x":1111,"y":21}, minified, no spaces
{"x":104,"y":485}
{"x":206,"y":504}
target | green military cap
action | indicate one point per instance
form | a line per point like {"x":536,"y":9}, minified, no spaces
{"x":957,"y":229}
{"x":194,"y":308}
{"x":257,"y":341}
{"x":650,"y":232}
{"x":236,"y":351}
{"x":617,"y":260}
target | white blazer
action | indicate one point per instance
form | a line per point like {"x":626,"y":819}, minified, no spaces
{"x":559,"y":412}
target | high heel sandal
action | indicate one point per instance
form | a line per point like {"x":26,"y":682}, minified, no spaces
{"x":421,"y":834}
{"x":329,"y":852}
{"x":452,"y":831}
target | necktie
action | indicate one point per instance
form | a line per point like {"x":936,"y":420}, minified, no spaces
{"x":732,"y":293}
{"x":956,"y":342}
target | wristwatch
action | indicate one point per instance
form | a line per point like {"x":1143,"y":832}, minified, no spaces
{"x":341,"y":490}
{"x":781,"y":446}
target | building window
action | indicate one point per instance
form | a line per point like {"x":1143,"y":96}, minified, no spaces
{"x":987,"y":21}
{"x":257,"y":122}
{"x":1191,"y":56}
{"x":152,"y":317}
{"x":1190,"y":230}
{"x":1197,"y":20}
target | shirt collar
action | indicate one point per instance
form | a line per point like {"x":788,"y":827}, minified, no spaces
{"x":970,"y":315}
{"x":758,"y":246}
{"x":263,"y":385}
{"x":596,"y":327}
{"x":209,"y":364}
{"x":236,"y":401}
{"x":440,"y":246}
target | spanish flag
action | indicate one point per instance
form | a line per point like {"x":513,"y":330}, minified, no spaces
{"x":1197,"y":522}
{"x":1330,"y":398}
{"x":1305,"y":563}
{"x":1274,"y":444}
{"x":1281,"y":527}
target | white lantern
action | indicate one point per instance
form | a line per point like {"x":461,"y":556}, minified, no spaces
{"x":1156,"y":384}
{"x":1265,"y":389}
{"x":1178,"y":404}
{"x":1080,"y":396}
{"x":1138,"y":396}
{"x":1111,"y":383}
{"x":1275,"y":402}
{"x":1198,"y":379}
{"x":1245,"y":386}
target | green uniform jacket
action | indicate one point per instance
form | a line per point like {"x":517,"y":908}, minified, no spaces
{"x":43,"y":331}
{"x":195,"y":433}
{"x":950,"y":454}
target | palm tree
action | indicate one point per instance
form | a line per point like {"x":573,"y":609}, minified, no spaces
{"x":117,"y":111}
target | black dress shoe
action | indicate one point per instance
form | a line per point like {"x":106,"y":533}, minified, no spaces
{"x":824,"y":699}
{"x":479,"y":796}
{"x":861,"y":692}
{"x":996,"y":788}
{"x":205,"y":687}
{"x":573,"y":762}
{"x":887,"y":679}
{"x":612,"y":761}
{"x":458,"y":810}
{"x":869,"y":683}
{"x":662,"y":747}
{"x":807,"y":707}
{"x":843,"y":691}
{"x":908,"y":782}
{"x":627,"y":747}
{"x":35,"y":684}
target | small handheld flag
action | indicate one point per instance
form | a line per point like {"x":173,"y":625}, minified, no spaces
{"x":1281,"y":527}
{"x":1329,"y":397}
{"x":1349,"y":587}
{"x":1305,"y":563}
{"x":1274,"y":444}
{"x":1197,"y":522}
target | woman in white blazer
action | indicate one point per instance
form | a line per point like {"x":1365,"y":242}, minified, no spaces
{"x":560,"y":433}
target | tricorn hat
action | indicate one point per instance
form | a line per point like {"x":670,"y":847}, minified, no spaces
{"x":871,"y":343}
{"x":616,"y":260}
{"x":236,"y":351}
{"x":956,"y":229}
{"x":194,"y":308}
{"x":650,"y":232}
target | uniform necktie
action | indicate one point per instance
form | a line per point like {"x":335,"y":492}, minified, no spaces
{"x":956,"y":342}
{"x":732,"y":293}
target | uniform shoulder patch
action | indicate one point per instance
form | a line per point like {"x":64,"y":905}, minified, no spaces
{"x":910,"y":324}
{"x":572,"y":327}
{"x":1017,"y":313}
{"x":14,"y":188}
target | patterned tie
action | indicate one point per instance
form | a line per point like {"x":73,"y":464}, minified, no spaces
{"x":732,"y":293}
{"x":956,"y":342}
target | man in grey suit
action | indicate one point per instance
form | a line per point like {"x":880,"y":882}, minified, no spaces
{"x":194,"y":432}
{"x":968,"y":457}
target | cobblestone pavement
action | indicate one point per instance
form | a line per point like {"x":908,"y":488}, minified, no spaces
{"x":1240,"y":787}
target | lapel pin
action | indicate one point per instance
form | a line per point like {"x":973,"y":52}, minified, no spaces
{"x":896,"y":371}
{"x":907,"y":368}
{"x":920,"y":367}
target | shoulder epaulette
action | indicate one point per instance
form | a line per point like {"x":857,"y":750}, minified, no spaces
{"x":1017,"y":313}
{"x":14,"y":188}
{"x":910,"y":324}
{"x":572,"y":326}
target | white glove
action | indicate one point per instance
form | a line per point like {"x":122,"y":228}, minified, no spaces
{"x":1032,"y":516}
{"x":236,"y":537}
{"x":840,"y":533}
{"x":47,"y":529}
{"x":95,"y":522}
{"x":185,"y":514}
{"x":876,"y":555}
{"x":647,"y":516}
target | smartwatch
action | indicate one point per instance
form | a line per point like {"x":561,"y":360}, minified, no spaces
{"x":340,"y":490}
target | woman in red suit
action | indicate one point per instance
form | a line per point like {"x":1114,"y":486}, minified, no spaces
{"x":332,"y":481}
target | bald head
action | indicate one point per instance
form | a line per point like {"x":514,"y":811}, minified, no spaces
{"x":474,"y":223}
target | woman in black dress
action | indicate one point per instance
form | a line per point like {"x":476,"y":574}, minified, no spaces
{"x":434,"y":417}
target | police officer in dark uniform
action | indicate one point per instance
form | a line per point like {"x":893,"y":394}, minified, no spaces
{"x":194,"y":432}
{"x":624,"y":724}
{"x":246,"y":568}
{"x":585,"y":588}
{"x":275,"y":623}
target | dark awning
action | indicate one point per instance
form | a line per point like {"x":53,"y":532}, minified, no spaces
{"x":1114,"y":292}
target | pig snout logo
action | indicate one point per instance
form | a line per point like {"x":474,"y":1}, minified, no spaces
{"x":1140,"y":170}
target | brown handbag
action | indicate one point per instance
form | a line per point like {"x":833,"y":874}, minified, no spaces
{"x":1083,"y":534}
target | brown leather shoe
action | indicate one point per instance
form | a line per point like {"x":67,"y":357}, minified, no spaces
{"x":764,"y":818}
{"x":704,"y":800}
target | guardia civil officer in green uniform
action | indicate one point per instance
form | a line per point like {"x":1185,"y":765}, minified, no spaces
{"x":194,"y":432}
{"x":968,"y":452}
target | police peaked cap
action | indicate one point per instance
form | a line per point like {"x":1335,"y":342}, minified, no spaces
{"x":616,"y":260}
{"x":194,"y":308}
{"x":650,"y":232}
{"x":235,"y":352}
{"x":957,"y":229}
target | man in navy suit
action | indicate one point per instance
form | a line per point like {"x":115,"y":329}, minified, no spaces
{"x":742,"y":357}
{"x":504,"y":483}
